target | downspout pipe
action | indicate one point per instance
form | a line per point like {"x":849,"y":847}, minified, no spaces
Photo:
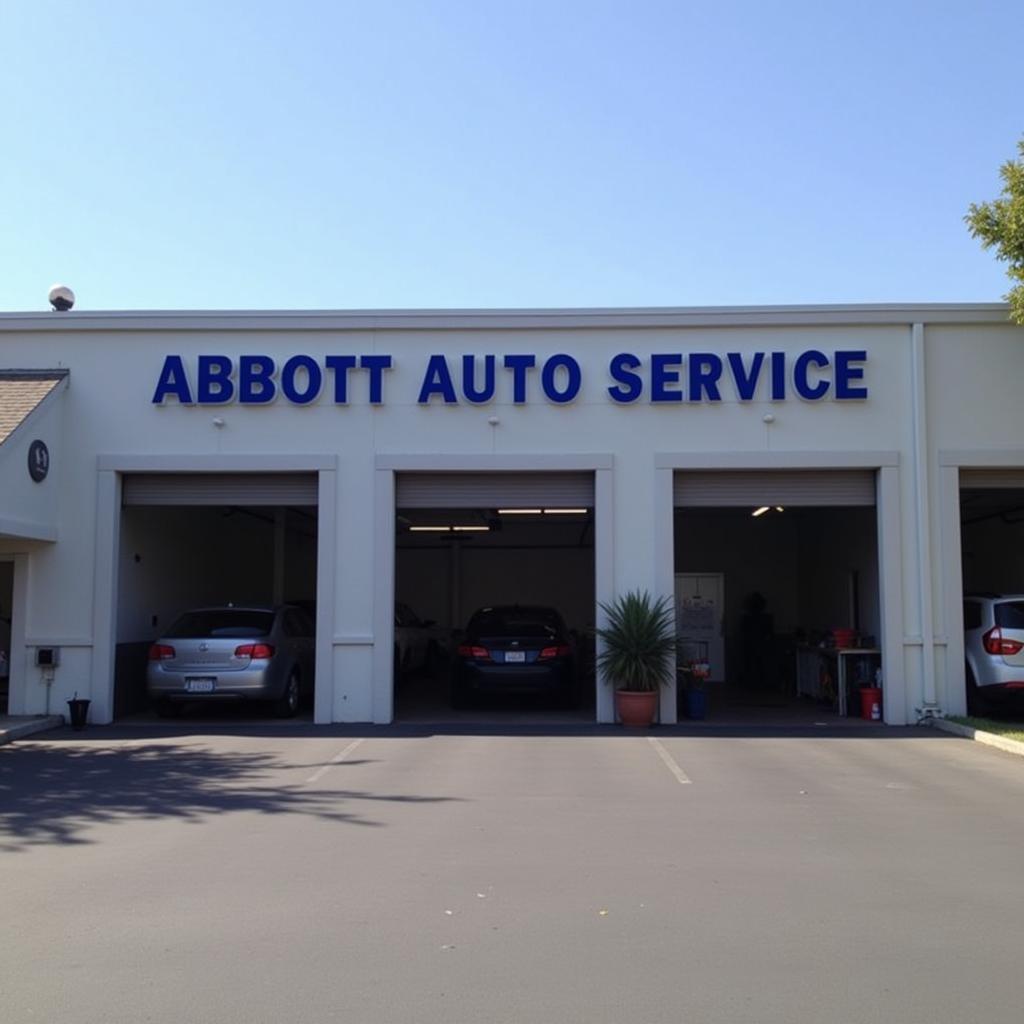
{"x":922,"y":506}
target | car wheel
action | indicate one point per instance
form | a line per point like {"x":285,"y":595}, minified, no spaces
{"x":169,"y":709}
{"x":975,"y":702}
{"x":287,"y":705}
{"x":567,"y":697}
{"x":434,"y":662}
{"x":460,"y":695}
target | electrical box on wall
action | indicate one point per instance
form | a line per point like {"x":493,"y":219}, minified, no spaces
{"x":47,"y":657}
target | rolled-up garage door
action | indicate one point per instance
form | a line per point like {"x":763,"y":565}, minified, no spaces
{"x":789,"y":488}
{"x":494,"y":490}
{"x":992,"y":479}
{"x":219,"y":489}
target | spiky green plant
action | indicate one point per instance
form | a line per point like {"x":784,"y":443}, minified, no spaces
{"x":638,"y":642}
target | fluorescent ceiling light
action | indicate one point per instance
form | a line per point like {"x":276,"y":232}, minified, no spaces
{"x":565,"y":511}
{"x":430,"y":529}
{"x":518,"y":511}
{"x":779,"y":508}
{"x":471,"y":529}
{"x":760,"y":511}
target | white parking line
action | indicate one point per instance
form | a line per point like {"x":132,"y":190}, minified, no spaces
{"x":337,"y":759}
{"x":681,"y":777}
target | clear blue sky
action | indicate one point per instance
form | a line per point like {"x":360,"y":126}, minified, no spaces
{"x":483,"y":154}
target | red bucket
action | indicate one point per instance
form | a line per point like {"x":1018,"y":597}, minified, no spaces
{"x":871,"y":703}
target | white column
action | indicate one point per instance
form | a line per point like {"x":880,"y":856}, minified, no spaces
{"x":895,"y":698}
{"x":384,"y":601}
{"x":929,"y":699}
{"x":326,"y":561}
{"x":104,"y":604}
{"x":663,"y":537}
{"x":604,"y":574}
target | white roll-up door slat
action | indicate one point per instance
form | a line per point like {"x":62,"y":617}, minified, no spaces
{"x":789,"y":488}
{"x":992,"y":479}
{"x":494,"y":490}
{"x":219,"y":489}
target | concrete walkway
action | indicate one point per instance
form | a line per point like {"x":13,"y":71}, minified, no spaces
{"x":16,"y":727}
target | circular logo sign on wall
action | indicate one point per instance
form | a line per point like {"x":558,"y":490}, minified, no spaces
{"x":38,"y":461}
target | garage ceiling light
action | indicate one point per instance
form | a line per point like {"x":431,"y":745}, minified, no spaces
{"x":471,"y":529}
{"x":430,"y":529}
{"x":760,"y":511}
{"x":543,"y":511}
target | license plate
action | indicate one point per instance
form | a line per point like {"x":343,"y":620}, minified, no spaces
{"x":515,"y":656}
{"x":200,"y":684}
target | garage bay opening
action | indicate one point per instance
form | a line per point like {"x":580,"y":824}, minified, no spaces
{"x":991,"y":530}
{"x":216,"y":594}
{"x":495,"y":599}
{"x":777,"y":593}
{"x":6,"y":617}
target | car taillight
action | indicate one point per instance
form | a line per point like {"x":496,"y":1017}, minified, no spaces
{"x":479,"y":653}
{"x":254,"y":651}
{"x":994,"y":643}
{"x":160,"y":652}
{"x":547,"y":653}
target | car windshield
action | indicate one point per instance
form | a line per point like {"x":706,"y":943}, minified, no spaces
{"x":515,"y":622}
{"x":211,"y":623}
{"x":1010,"y":614}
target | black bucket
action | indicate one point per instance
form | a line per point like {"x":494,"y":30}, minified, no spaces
{"x":79,"y":711}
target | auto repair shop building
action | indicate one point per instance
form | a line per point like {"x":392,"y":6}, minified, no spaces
{"x":152,"y":462}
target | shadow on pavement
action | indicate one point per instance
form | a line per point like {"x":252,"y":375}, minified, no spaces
{"x":52,"y":792}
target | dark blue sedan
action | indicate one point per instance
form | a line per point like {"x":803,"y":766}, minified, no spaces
{"x":515,"y":649}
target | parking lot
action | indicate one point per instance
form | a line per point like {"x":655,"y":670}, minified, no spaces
{"x":284,"y":872}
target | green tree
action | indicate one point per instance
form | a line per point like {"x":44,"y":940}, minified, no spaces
{"x":1000,"y":225}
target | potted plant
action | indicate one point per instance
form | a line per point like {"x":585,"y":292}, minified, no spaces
{"x":637,"y":655}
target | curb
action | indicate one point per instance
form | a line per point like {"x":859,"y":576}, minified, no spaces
{"x":979,"y":736}
{"x":18,"y":730}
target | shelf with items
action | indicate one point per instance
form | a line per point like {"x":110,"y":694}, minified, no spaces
{"x":836,"y":674}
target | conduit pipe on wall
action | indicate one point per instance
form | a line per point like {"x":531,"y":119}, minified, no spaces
{"x":922,"y":507}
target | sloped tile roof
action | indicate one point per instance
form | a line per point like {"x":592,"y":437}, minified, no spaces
{"x":21,"y":391}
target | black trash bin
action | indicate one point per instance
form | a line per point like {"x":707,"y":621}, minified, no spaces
{"x":79,"y":711}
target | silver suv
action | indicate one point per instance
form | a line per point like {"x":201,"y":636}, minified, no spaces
{"x":993,"y":649}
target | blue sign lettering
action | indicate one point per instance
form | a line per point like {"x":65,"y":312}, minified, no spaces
{"x":572,"y":377}
{"x":812,"y":392}
{"x":705,"y":369}
{"x":630,"y":385}
{"x":519,"y":365}
{"x":663,"y":375}
{"x":256,"y":380}
{"x":847,"y":372}
{"x":469,"y":388}
{"x":215,"y":386}
{"x":745,"y":379}
{"x":669,"y":378}
{"x":173,"y":382}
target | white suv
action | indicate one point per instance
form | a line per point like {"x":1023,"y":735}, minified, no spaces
{"x":993,"y":649}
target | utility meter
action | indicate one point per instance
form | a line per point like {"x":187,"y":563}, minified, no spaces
{"x":47,"y":657}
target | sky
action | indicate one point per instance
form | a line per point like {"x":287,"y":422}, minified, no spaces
{"x":454,"y":154}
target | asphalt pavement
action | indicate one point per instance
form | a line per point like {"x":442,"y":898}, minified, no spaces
{"x":389,"y":875}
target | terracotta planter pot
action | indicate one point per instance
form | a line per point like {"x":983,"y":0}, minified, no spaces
{"x":636,"y":710}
